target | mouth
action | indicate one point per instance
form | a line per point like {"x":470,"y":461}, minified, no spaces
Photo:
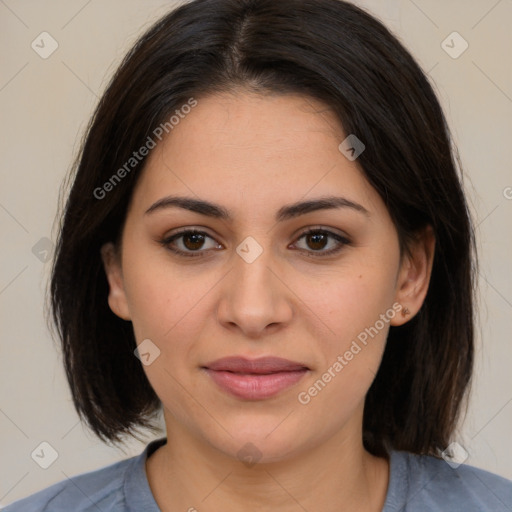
{"x":255,"y":379}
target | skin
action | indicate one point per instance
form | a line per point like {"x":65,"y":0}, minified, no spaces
{"x":253,"y":154}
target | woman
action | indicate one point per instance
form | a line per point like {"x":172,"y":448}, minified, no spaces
{"x":267,"y":240}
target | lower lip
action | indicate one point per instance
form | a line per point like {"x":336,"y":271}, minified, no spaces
{"x":255,"y":387}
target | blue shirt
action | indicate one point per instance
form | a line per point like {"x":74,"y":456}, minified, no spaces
{"x":418,"y":483}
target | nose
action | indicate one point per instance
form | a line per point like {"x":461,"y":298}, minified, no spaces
{"x":254,"y":299}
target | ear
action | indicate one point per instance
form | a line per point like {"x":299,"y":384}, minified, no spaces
{"x":414,"y":276}
{"x":117,"y":296}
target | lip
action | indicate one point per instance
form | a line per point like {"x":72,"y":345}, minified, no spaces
{"x":255,"y":379}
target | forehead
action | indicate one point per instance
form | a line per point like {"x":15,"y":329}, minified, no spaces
{"x":253,"y":150}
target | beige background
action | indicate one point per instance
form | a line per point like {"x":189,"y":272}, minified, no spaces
{"x":45,"y":105}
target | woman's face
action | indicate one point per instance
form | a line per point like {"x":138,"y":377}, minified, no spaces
{"x":254,"y":285}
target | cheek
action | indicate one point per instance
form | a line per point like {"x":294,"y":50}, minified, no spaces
{"x":356,"y":307}
{"x":349,"y":301}
{"x":163,"y":299}
{"x":167,"y":307}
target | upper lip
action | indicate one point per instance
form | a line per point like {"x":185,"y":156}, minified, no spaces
{"x":262,"y":365}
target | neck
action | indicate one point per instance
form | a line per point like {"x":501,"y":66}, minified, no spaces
{"x":340,"y":475}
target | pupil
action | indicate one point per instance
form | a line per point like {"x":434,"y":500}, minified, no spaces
{"x":197,"y":241}
{"x":316,"y":240}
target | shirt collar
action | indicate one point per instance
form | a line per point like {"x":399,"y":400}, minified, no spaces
{"x":137,"y":493}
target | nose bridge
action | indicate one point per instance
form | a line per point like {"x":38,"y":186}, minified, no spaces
{"x":252,"y":276}
{"x":254,"y":297}
{"x":255,"y":274}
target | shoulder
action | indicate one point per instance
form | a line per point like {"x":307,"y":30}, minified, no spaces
{"x":424,"y":482}
{"x":101,"y":489}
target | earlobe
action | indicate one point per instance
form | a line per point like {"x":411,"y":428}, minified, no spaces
{"x":116,"y":296}
{"x":414,"y":276}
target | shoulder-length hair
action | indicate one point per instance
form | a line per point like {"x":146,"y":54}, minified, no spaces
{"x":329,"y":50}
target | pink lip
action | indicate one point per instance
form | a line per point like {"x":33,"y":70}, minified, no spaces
{"x":255,"y":379}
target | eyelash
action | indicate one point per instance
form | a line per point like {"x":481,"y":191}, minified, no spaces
{"x":166,"y":242}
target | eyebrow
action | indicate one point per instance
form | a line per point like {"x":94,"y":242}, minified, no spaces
{"x":284,"y":213}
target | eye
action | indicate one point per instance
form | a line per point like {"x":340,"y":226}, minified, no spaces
{"x":318,"y":239}
{"x":192,"y":241}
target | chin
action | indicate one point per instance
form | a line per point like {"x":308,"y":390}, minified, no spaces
{"x":252,"y":450}
{"x":260,"y":440}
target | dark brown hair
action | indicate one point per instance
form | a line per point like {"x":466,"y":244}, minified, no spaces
{"x":325,"y":49}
